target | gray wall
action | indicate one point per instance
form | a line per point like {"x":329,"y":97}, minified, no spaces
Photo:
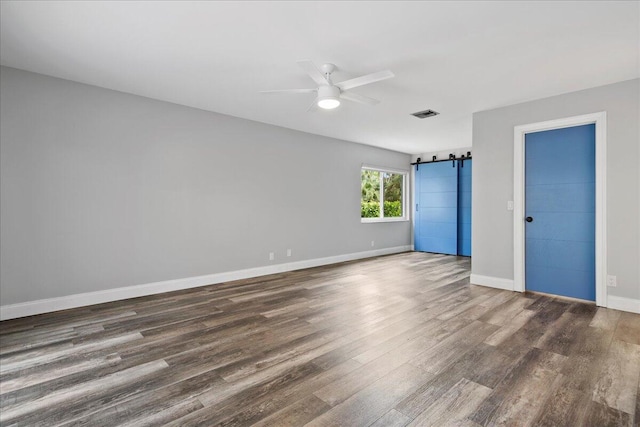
{"x":493,"y":178}
{"x":101,"y":189}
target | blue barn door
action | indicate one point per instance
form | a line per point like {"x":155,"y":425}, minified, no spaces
{"x":464,"y":207}
{"x":436,"y":221}
{"x":560,"y":212}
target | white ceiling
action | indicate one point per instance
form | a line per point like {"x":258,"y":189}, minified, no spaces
{"x":453,"y":57}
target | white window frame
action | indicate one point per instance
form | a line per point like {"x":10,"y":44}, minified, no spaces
{"x":405,"y":207}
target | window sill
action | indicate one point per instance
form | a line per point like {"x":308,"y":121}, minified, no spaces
{"x":372,"y":220}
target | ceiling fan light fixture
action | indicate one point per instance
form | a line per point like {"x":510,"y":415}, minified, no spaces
{"x":328,"y":103}
{"x":328,"y":97}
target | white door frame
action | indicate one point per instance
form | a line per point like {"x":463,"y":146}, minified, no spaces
{"x":519,"y":132}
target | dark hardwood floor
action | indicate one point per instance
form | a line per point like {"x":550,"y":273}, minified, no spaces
{"x":389,"y":341}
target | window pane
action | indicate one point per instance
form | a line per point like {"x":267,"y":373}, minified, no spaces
{"x":392,"y":184}
{"x":370,"y":203}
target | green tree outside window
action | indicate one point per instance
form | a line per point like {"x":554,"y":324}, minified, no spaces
{"x":376,"y":183}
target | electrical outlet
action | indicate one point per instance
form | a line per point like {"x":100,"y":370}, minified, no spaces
{"x":612,"y":281}
{"x":272,"y":256}
{"x":510,"y":205}
{"x":288,"y":252}
{"x":373,"y":243}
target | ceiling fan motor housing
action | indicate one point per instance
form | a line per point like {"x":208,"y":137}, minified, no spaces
{"x":328,"y":92}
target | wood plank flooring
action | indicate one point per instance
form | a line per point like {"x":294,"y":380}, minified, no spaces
{"x":400,"y":340}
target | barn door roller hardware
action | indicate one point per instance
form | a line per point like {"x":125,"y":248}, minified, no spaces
{"x":452,"y":158}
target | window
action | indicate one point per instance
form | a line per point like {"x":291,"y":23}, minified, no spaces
{"x":383,"y":195}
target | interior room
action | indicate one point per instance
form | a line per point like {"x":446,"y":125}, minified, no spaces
{"x":319,"y":213}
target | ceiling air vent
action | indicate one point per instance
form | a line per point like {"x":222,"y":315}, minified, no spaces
{"x":426,"y":113}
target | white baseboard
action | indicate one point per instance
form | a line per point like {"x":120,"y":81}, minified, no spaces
{"x":492,"y":282}
{"x":624,"y":304}
{"x":31,"y":308}
{"x":614,"y":302}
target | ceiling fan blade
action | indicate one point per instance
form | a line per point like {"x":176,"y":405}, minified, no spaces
{"x":313,"y":107}
{"x":289,"y":91}
{"x":313,"y":72}
{"x":350,"y":96}
{"x":365,"y":80}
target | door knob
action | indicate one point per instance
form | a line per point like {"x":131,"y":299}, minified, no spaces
{"x":529,"y":219}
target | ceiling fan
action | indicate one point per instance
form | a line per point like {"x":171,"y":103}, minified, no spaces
{"x":328,"y":93}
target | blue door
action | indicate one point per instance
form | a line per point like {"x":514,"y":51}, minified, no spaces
{"x":560,"y":212}
{"x":436,"y":222}
{"x":464,"y":207}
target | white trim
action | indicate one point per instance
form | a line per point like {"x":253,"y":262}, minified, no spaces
{"x":384,"y":219}
{"x":30,"y":308}
{"x":384,"y":169}
{"x":519,"y":132}
{"x":624,"y":304}
{"x":411,"y":209}
{"x":614,"y":302}
{"x":492,"y":282}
